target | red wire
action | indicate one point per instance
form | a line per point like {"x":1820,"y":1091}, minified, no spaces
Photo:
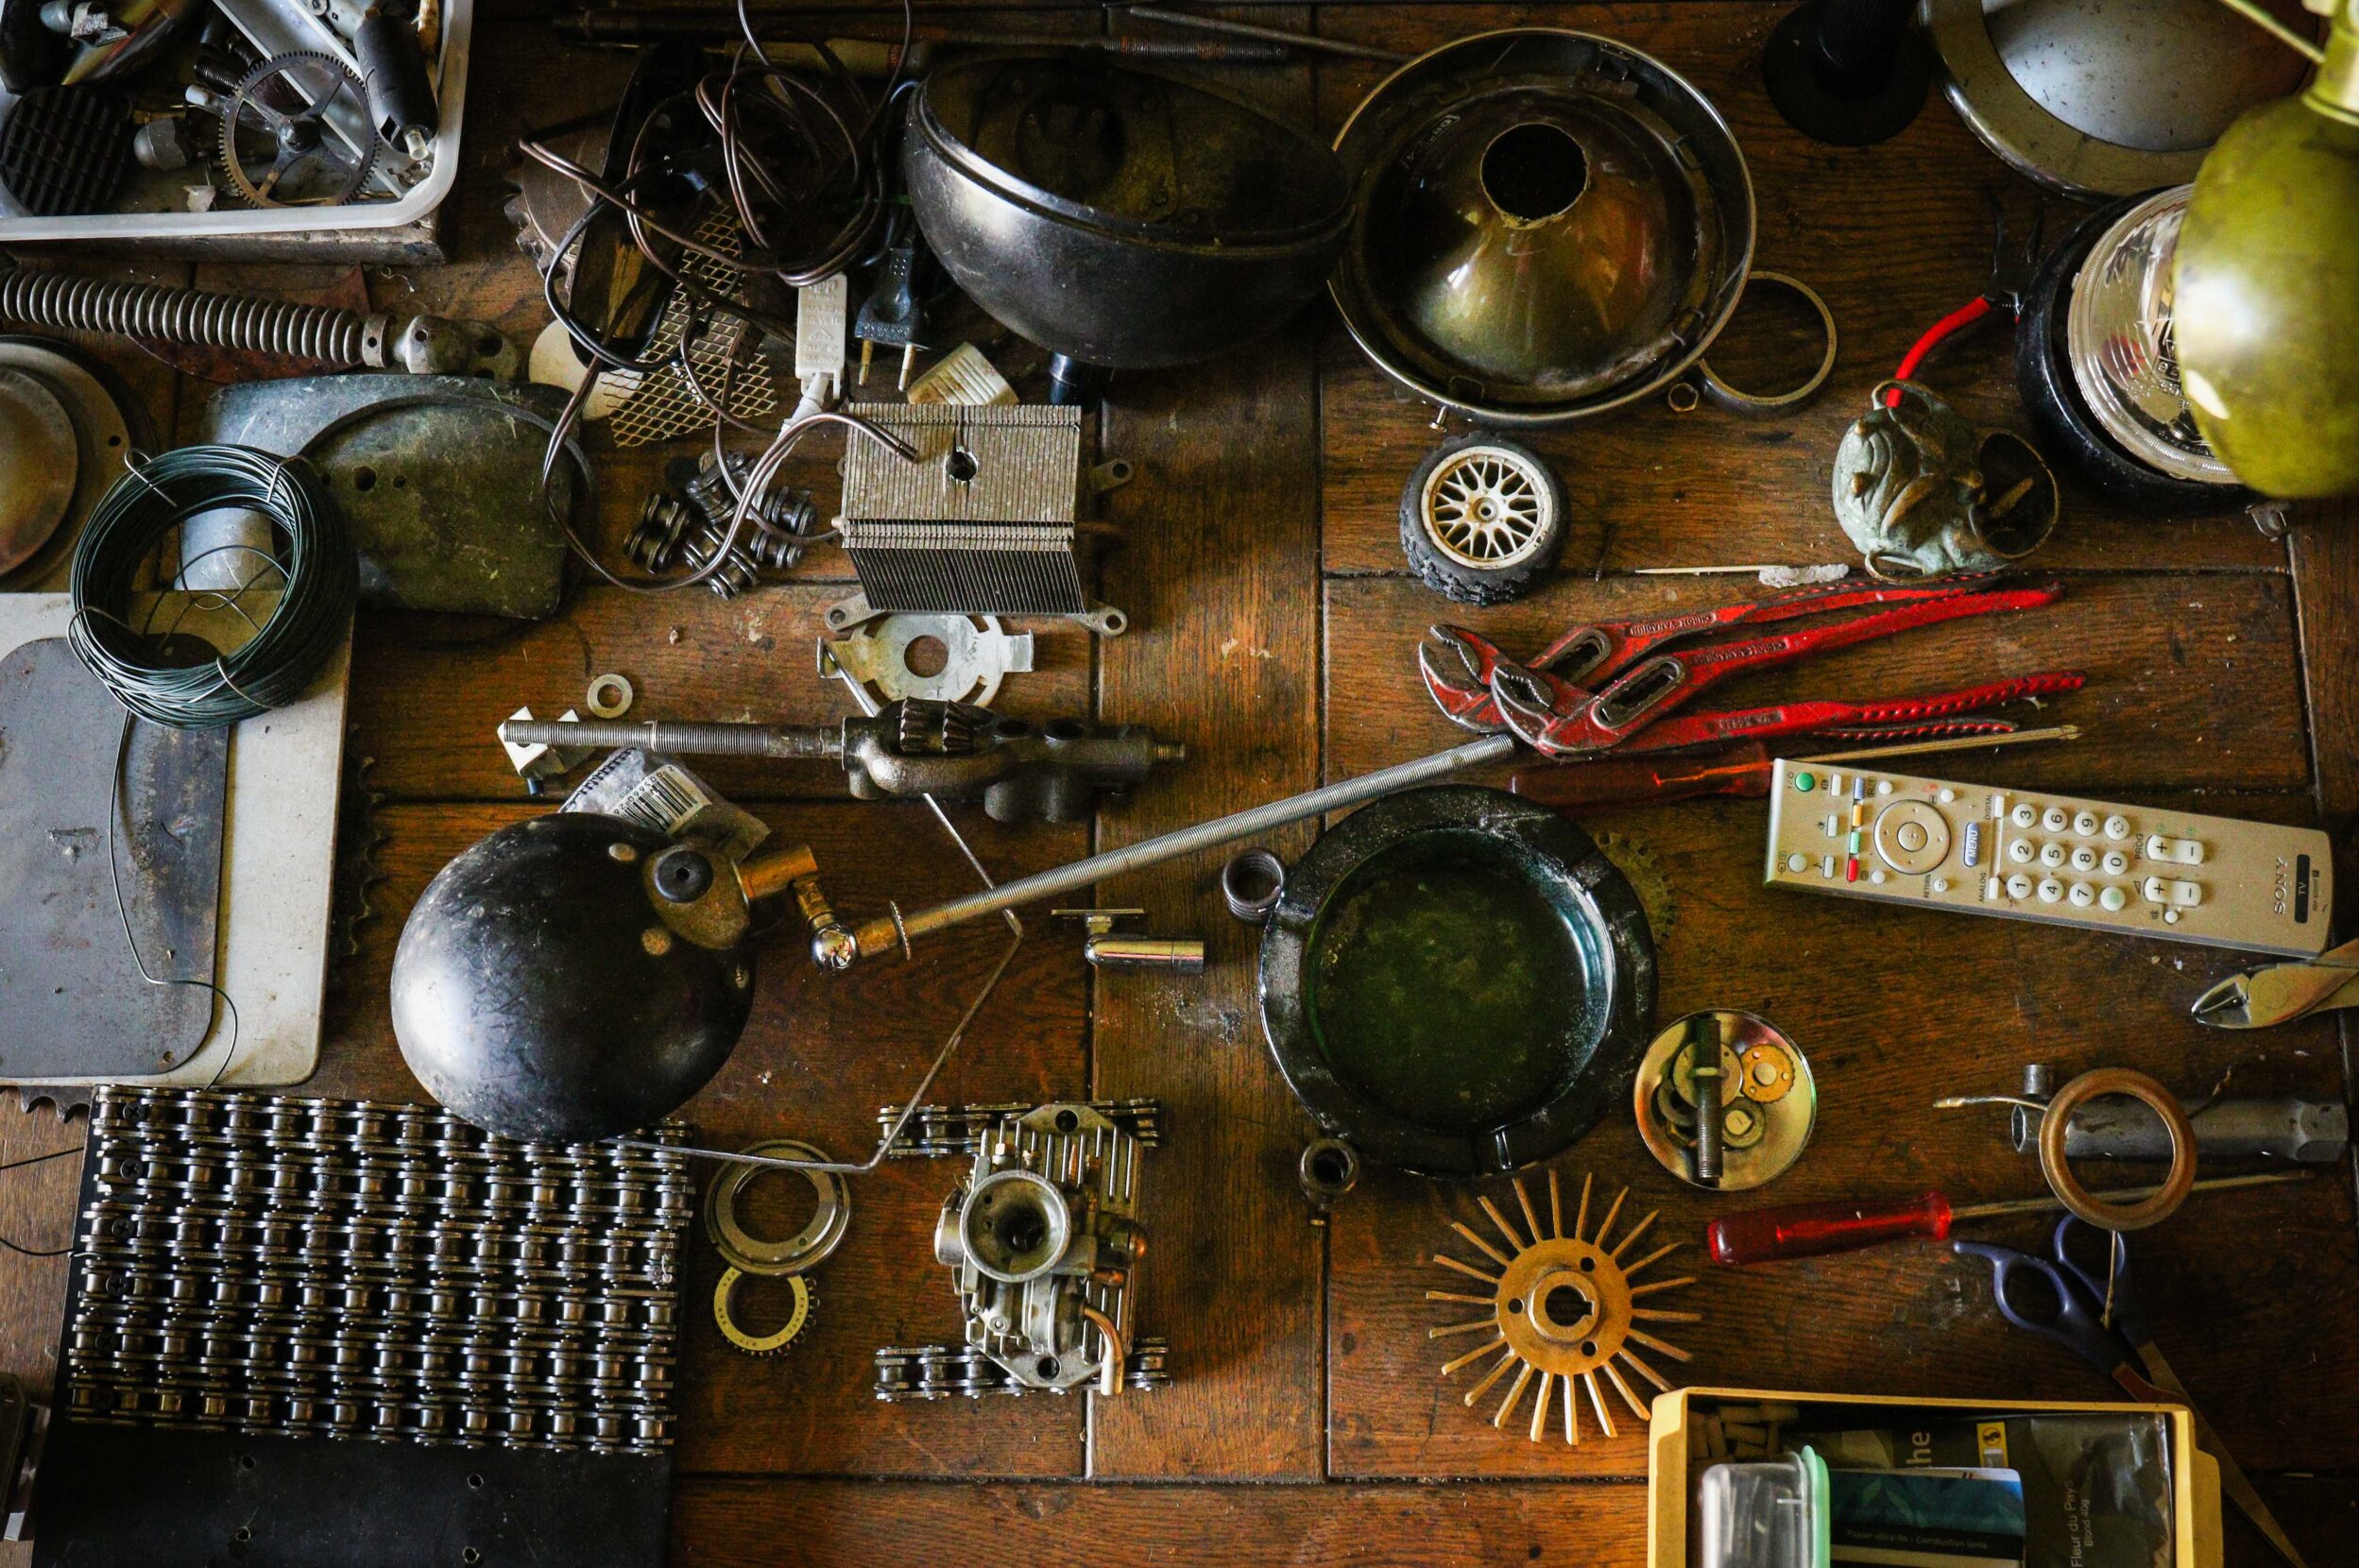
{"x":1963,"y":317}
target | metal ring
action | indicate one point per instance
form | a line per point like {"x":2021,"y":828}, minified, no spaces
{"x":806,"y":1248}
{"x":2056,"y":1120}
{"x":725,"y":1316}
{"x":1252,"y":883}
{"x":1762,"y":406}
{"x":609,"y":696}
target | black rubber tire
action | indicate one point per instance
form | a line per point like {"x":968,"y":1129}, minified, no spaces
{"x":1458,"y":580}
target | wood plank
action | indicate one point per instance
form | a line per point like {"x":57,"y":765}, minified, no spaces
{"x":723,"y":1521}
{"x":1220,"y":575}
{"x":2192,"y":680}
{"x":818,"y":1058}
{"x":1893,"y":236}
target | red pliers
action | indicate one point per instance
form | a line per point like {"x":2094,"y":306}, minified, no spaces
{"x":1609,"y":686}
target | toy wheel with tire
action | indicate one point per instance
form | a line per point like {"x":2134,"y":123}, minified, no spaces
{"x":1482,"y":520}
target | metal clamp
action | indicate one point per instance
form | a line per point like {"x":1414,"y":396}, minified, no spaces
{"x":1763,"y":405}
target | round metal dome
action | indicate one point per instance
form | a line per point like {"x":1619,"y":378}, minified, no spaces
{"x":1548,"y":224}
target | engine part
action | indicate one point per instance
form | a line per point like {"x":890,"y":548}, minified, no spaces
{"x":1457,"y":982}
{"x":1548,"y":224}
{"x":1043,"y":1238}
{"x":1029,"y":171}
{"x":1921,"y":493}
{"x":975,"y":658}
{"x":906,"y":1372}
{"x":1755,"y":1079}
{"x":66,"y":150}
{"x":426,"y":345}
{"x":1107,"y":948}
{"x":2096,"y":102}
{"x":576,"y":976}
{"x":1250,"y":885}
{"x":1767,"y":405}
{"x":1328,"y":1170}
{"x":685,"y":523}
{"x":985,"y":521}
{"x":808,"y":1248}
{"x":931,"y":1132}
{"x":954,"y":751}
{"x":2306,"y":1132}
{"x":609,"y":696}
{"x":164,"y":145}
{"x":779,"y":1340}
{"x":279,"y":147}
{"x":1848,"y":73}
{"x":530,"y":1293}
{"x":1482,"y":520}
{"x":1563,"y":1306}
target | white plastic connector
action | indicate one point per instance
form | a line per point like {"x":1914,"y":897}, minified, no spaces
{"x":822,"y":330}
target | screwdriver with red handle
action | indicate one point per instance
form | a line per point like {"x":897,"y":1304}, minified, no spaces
{"x":1815,"y":1230}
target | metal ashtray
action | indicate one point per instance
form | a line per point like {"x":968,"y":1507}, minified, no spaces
{"x":1457,"y":982}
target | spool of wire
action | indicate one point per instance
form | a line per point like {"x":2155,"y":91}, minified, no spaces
{"x":310,"y":560}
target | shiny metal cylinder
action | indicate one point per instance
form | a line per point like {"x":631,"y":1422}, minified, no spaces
{"x":682,"y":738}
{"x":2306,"y":1132}
{"x":1184,"y":954}
{"x":1252,"y":883}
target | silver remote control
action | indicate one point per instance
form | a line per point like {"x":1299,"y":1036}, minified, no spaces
{"x":2030,"y":856}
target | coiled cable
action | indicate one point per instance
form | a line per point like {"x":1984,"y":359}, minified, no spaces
{"x":312,"y":559}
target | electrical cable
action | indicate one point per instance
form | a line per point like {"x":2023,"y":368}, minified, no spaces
{"x":312,"y":553}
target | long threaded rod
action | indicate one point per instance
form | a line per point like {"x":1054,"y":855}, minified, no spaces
{"x":686,"y":738}
{"x":66,"y":301}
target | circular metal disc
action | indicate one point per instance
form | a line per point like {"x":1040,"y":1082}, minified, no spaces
{"x":1769,"y":1100}
{"x":103,"y":430}
{"x":40,"y":459}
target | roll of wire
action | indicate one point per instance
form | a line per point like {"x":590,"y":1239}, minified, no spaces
{"x":312,"y":560}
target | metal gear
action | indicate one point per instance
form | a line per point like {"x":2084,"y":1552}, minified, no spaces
{"x":780,"y":1339}
{"x":1562,"y":1306}
{"x":275,"y":124}
{"x":361,"y":834}
{"x":1637,"y":863}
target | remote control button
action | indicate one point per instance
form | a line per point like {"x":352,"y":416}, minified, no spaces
{"x":2025,"y":815}
{"x":1883,"y":786}
{"x":2051,"y":854}
{"x":1797,"y":863}
{"x":1974,"y":843}
{"x":1939,"y":884}
{"x":2054,"y":819}
{"x":1877,"y":876}
{"x":2175,"y":851}
{"x":2115,"y":862}
{"x":2117,"y":828}
{"x":2051,"y":891}
{"x":2019,"y":886}
{"x":2114,"y":898}
{"x":1946,"y":794}
{"x":2186,"y":895}
{"x":1911,"y":837}
{"x":1826,"y":866}
{"x":2084,"y":858}
{"x":2083,"y":895}
{"x":1805,"y":781}
{"x":2020,"y":852}
{"x":2085,"y":823}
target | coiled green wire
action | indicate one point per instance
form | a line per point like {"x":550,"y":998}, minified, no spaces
{"x":313,"y":558}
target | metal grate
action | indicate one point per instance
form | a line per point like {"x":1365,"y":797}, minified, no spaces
{"x":661,"y":404}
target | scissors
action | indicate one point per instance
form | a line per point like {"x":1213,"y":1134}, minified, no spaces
{"x":2100,"y":1316}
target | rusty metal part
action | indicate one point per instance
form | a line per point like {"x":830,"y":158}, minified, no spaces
{"x":1328,"y":1170}
{"x":280,"y":146}
{"x":1564,"y":1307}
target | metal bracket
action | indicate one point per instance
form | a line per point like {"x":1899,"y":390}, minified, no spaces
{"x":975,"y":657}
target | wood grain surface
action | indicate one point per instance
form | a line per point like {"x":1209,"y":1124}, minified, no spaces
{"x":1274,"y":630}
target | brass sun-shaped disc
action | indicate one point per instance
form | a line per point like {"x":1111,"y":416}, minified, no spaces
{"x":1563,"y":1305}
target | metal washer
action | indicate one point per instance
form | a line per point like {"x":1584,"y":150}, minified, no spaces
{"x":808,"y":1247}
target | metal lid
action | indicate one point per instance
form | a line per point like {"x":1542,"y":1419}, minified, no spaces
{"x":1133,"y":153}
{"x":40,"y":461}
{"x":1549,"y":224}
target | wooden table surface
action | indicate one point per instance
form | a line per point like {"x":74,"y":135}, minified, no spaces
{"x":1272,"y":628}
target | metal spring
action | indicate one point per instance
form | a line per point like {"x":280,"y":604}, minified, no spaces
{"x":66,"y":302}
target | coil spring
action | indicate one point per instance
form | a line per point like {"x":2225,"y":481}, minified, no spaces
{"x":65,"y":301}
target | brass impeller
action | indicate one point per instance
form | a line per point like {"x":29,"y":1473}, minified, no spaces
{"x":1563,"y":1306}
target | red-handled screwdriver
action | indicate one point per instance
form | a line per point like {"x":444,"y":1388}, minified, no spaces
{"x":1816,"y":1230}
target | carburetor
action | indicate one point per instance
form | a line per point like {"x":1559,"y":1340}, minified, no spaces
{"x":1043,"y":1239}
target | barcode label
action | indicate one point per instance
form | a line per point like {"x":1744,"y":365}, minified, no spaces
{"x":662,"y":801}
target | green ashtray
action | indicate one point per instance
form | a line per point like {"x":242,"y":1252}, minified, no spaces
{"x":1458,"y":981}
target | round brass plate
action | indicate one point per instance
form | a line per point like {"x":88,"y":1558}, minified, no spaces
{"x":39,"y":462}
{"x":1770,"y":1102}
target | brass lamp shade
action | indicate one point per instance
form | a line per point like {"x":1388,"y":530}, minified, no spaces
{"x":2267,"y":299}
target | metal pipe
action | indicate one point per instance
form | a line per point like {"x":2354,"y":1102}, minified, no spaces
{"x":900,"y":930}
{"x":1268,"y":35}
{"x":683,"y":737}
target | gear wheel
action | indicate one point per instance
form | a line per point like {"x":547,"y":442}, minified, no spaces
{"x":1637,"y":863}
{"x":777,"y":1340}
{"x":279,"y":147}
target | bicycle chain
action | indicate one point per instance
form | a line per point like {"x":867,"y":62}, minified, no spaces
{"x":936,"y":1130}
{"x":937,"y":1372}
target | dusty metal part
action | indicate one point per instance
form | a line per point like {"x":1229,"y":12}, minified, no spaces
{"x":533,"y":1290}
{"x":975,"y":657}
{"x":106,"y":423}
{"x":1771,"y":404}
{"x":1564,"y":1307}
{"x":73,"y":1004}
{"x":688,"y":520}
{"x":1043,"y":1238}
{"x":438,"y":475}
{"x":1252,"y":883}
{"x":357,"y":871}
{"x":278,"y":145}
{"x":986,"y":521}
{"x":1637,"y":863}
{"x":907,"y":1373}
{"x":1328,"y":1170}
{"x":1106,"y":946}
{"x":609,"y":696}
{"x":1925,"y":494}
{"x":1767,"y":1101}
{"x":538,"y":761}
{"x":779,"y":1340}
{"x":40,"y":462}
{"x":809,"y":1247}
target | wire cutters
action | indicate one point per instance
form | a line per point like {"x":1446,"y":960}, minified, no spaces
{"x":2280,"y":993}
{"x":1597,"y":687}
{"x":2100,"y":1316}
